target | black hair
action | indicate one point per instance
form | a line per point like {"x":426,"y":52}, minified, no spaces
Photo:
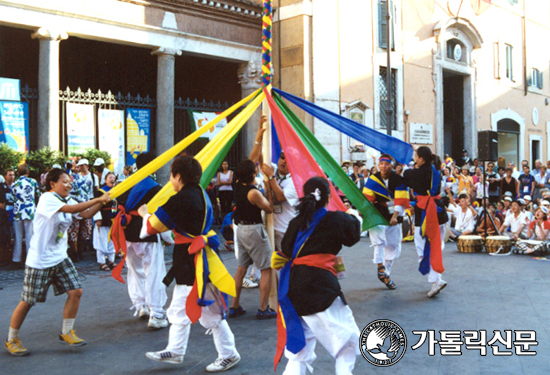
{"x":189,"y":169}
{"x":143,"y":159}
{"x":309,"y":203}
{"x":245,"y":171}
{"x":437,"y":162}
{"x":425,"y":153}
{"x":53,"y":176}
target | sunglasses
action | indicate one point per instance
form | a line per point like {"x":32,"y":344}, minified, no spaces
{"x":282,"y":156}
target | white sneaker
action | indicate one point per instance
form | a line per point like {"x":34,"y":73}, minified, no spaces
{"x":249,"y":284}
{"x":157,"y":323}
{"x":144,"y":312}
{"x":165,"y":356}
{"x":436,"y":288}
{"x":221,"y":364}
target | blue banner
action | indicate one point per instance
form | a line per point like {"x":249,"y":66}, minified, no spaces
{"x":138,"y":127}
{"x":14,"y":125}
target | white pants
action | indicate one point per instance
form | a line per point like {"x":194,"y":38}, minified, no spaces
{"x":103,"y":247}
{"x":146,"y":269}
{"x":386,"y":241}
{"x":419,"y":242}
{"x":23,"y":228}
{"x":211,"y":319}
{"x":336,"y":330}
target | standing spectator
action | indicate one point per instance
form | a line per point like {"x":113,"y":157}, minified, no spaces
{"x":526,"y":182}
{"x":9,"y":178}
{"x":47,"y":262}
{"x":79,"y":192}
{"x":91,"y":180}
{"x":481,"y":192}
{"x":494,"y":182}
{"x":356,"y":176}
{"x":536,"y":171}
{"x":465,"y":182}
{"x":508,"y":184}
{"x":100,"y":171}
{"x":126,"y":172}
{"x":465,"y":159}
{"x":85,"y":226}
{"x":25,"y":192}
{"x":478,"y":175}
{"x":5,"y":231}
{"x":224,"y":182}
{"x":103,"y":218}
{"x":541,"y":179}
{"x":515,"y":172}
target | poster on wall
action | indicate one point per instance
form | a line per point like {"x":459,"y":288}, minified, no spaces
{"x":80,"y":127}
{"x":111,"y":136}
{"x":14,"y":125}
{"x":199,"y":119}
{"x":138,"y":125}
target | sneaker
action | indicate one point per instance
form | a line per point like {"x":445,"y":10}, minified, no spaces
{"x":157,"y":323}
{"x":71,"y":339}
{"x":436,"y":288}
{"x":268,"y":313}
{"x":235,"y":312}
{"x":221,"y":364}
{"x":15,"y":348}
{"x":144,"y":312}
{"x":249,"y":284}
{"x":165,"y":356}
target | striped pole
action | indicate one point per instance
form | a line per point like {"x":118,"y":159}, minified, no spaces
{"x":267,"y":22}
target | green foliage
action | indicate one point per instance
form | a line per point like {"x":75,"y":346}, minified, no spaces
{"x":91,"y":154}
{"x":9,"y":158}
{"x":39,"y":160}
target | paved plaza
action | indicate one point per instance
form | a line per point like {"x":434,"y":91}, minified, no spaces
{"x":484,"y":293}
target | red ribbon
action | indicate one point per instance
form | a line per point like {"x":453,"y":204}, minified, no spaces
{"x":119,"y":239}
{"x":427,"y":203}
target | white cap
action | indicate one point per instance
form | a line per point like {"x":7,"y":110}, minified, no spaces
{"x":544,"y":209}
{"x":56,"y":166}
{"x":508,"y":194}
{"x":98,"y":161}
{"x":82,"y":162}
{"x":527,"y":197}
{"x":509,"y":199}
{"x":545,"y":203}
{"x":521,"y":201}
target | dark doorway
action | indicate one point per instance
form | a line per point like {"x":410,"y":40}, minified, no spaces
{"x":535,"y":152}
{"x":453,"y":114}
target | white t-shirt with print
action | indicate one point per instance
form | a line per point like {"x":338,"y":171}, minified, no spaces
{"x":464,"y":220}
{"x":515,"y":222}
{"x":49,"y":240}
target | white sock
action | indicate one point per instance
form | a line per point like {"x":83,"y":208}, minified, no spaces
{"x":68,"y":324}
{"x":13,"y":334}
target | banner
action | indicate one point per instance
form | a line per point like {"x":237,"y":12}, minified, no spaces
{"x":111,"y":136}
{"x":14,"y":125}
{"x":138,"y":125}
{"x":10,"y":89}
{"x":199,"y":119}
{"x":80,"y":127}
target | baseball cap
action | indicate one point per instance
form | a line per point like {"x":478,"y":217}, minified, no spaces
{"x":527,"y":198}
{"x":98,"y":161}
{"x":545,"y":203}
{"x":56,"y":166}
{"x":509,"y":199}
{"x":508,"y":194}
{"x":521,"y":201}
{"x":544,"y":209}
{"x":82,"y":162}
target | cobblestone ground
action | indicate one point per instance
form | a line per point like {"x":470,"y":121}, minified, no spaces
{"x":484,"y":293}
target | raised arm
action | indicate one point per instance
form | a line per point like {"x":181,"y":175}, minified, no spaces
{"x":257,"y":149}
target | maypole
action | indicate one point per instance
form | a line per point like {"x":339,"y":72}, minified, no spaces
{"x":267,"y":23}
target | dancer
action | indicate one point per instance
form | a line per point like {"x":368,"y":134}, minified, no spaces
{"x":105,"y":249}
{"x":189,"y":215}
{"x":385,"y":189}
{"x":311,"y":300}
{"x":430,"y":216}
{"x":145,"y":256}
{"x":47,"y":262}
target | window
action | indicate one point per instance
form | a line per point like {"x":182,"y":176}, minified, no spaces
{"x":535,"y":79}
{"x":382,"y":32}
{"x":509,"y":60}
{"x":384,"y":98}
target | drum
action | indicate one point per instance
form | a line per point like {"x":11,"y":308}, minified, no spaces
{"x":496,"y":243}
{"x":470,"y":244}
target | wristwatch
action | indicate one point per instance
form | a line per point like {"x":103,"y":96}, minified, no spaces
{"x":271,"y":178}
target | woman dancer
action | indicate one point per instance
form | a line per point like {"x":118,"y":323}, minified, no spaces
{"x":47,"y":262}
{"x":310,"y":297}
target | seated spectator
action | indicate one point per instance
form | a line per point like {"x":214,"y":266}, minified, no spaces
{"x":538,"y":232}
{"x":486,"y":224}
{"x":514,"y":223}
{"x":465,"y":216}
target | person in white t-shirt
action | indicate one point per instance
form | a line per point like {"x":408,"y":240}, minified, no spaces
{"x":465,"y":216}
{"x":514,"y":223}
{"x":537,"y":232}
{"x":47,"y":262}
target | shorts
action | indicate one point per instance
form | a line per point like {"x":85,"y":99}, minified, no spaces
{"x":254,"y":246}
{"x":63,"y":276}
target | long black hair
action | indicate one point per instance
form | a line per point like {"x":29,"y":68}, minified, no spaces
{"x":309,"y":203}
{"x":245,"y":171}
{"x":425,"y":153}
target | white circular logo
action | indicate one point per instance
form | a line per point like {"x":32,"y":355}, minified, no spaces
{"x":457,"y":52}
{"x":383,"y":343}
{"x":535,"y":116}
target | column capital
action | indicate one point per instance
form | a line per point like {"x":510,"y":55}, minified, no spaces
{"x":51,"y":34}
{"x":250,"y":75}
{"x":166,"y":51}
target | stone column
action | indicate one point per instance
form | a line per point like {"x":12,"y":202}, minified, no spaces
{"x":250,"y":80}
{"x":165,"y":105}
{"x":48,"y":87}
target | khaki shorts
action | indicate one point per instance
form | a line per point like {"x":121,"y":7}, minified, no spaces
{"x":254,"y":246}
